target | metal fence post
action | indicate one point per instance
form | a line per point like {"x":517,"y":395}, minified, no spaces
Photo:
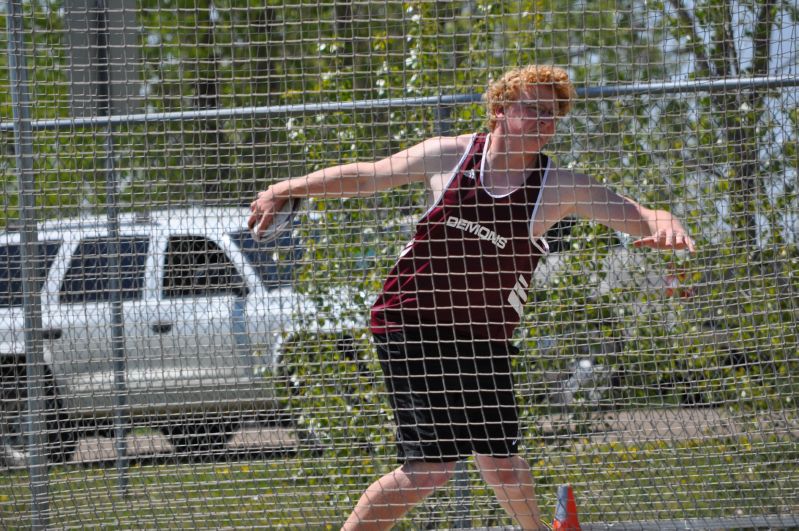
{"x":32,"y":304}
{"x":463,"y":496}
{"x":119,"y":355}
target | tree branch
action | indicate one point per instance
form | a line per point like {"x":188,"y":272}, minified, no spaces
{"x":687,"y":22}
{"x":762,"y":39}
{"x":729,"y":53}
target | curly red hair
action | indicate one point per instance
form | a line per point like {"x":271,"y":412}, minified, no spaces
{"x":508,"y":87}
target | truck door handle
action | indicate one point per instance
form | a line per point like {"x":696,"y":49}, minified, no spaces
{"x":52,"y":333}
{"x":161,"y":327}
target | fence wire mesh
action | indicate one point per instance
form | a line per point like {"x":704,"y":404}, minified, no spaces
{"x":159,"y":367}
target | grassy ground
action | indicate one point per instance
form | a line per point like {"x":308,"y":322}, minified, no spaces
{"x":613,"y":482}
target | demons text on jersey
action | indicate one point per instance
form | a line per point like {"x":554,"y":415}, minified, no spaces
{"x":472,"y":227}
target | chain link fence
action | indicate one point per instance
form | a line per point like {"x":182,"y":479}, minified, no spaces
{"x":161,"y":368}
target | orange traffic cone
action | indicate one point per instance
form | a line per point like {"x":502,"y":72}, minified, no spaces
{"x":566,"y":510}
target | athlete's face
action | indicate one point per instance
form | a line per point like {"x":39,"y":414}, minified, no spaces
{"x":533,"y":116}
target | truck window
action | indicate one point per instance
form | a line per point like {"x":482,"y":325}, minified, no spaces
{"x":275,"y":261}
{"x":11,"y":270}
{"x":196,"y":266}
{"x":90,"y":272}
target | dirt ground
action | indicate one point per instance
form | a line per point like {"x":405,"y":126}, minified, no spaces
{"x":152,"y":445}
{"x":675,"y":424}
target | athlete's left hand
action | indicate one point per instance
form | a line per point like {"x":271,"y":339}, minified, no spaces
{"x":675,"y":239}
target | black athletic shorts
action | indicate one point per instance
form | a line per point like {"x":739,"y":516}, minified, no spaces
{"x":450,"y":397}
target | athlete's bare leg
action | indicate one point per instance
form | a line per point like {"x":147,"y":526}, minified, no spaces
{"x":390,"y":497}
{"x":512,"y":482}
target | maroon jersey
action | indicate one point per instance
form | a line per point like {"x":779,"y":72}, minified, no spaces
{"x":471,"y":260}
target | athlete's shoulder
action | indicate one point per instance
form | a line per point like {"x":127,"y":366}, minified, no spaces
{"x":441,"y":153}
{"x":447,"y":145}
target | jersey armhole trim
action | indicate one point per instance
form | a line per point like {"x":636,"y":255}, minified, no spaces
{"x":451,"y":177}
{"x":540,"y":243}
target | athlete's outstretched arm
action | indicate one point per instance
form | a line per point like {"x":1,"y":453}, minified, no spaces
{"x":581,"y":195}
{"x":418,"y":163}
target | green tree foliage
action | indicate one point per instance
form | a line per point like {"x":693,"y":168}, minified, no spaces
{"x":725,"y":162}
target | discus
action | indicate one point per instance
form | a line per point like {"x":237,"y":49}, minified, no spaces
{"x":281,"y":222}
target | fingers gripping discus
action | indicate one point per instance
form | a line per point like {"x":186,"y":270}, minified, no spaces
{"x":280,"y":223}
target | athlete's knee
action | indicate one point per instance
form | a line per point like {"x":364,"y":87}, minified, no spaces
{"x":422,"y":475}
{"x":510,"y":471}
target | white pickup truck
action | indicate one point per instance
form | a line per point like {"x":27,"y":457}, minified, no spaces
{"x":204,"y":308}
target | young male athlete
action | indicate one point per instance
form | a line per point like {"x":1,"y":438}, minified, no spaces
{"x":442,"y":322}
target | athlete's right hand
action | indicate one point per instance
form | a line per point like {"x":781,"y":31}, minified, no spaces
{"x":264,"y":209}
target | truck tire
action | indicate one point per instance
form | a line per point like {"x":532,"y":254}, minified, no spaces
{"x":60,"y":437}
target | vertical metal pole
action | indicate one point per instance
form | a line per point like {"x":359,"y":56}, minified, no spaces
{"x":34,"y":350}
{"x":241,"y":338}
{"x":121,"y":415}
{"x":121,"y":421}
{"x":463,"y":495}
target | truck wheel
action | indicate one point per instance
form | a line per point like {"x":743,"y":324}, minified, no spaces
{"x":60,"y":437}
